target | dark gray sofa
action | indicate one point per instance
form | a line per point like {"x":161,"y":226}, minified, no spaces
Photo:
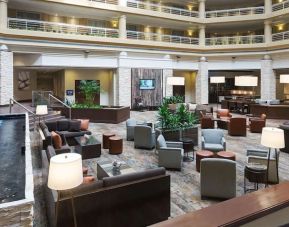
{"x":132,"y":200}
{"x":63,"y":127}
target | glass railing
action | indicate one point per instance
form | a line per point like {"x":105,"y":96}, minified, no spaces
{"x":114,"y":2}
{"x":280,"y":6}
{"x":43,"y":26}
{"x":235,"y":12}
{"x":239,"y":40}
{"x":161,"y":8}
{"x":162,"y":38}
{"x":280,"y":36}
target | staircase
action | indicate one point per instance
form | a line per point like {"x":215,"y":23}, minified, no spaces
{"x":51,"y":116}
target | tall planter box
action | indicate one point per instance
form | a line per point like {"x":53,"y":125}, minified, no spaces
{"x":113,"y":115}
{"x":174,"y":135}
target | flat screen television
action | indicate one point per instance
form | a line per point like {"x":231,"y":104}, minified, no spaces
{"x":146,"y":84}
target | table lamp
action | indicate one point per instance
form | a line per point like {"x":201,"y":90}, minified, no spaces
{"x":284,"y":79}
{"x":217,"y":80}
{"x":273,"y":138}
{"x":65,"y":172}
{"x":172,"y":80}
{"x":41,"y":110}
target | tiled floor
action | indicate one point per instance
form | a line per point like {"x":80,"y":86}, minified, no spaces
{"x":185,"y":196}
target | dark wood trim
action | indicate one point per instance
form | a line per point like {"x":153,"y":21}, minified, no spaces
{"x":237,"y":211}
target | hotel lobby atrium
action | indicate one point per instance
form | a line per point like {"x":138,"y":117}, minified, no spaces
{"x":133,"y":113}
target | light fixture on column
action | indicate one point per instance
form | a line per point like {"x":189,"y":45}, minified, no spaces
{"x":41,"y":110}
{"x":217,"y":80}
{"x":176,"y":80}
{"x":284,"y":79}
{"x":246,"y":81}
{"x":65,"y":172}
{"x":273,"y":138}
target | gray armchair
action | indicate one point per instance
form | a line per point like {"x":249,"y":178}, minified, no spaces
{"x":261,"y":157}
{"x":170,"y":153}
{"x":218,"y":178}
{"x":144,"y":137}
{"x":213,"y":140}
{"x":130,"y":124}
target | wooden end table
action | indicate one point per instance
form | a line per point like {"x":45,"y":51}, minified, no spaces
{"x":188,"y":146}
{"x":227,"y":155}
{"x":201,"y":155}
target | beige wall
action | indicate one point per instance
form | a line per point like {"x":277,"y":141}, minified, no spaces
{"x":105,"y":77}
{"x":190,"y":84}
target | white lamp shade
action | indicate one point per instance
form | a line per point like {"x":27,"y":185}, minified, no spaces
{"x":284,"y":78}
{"x":176,"y":80}
{"x":246,"y":81}
{"x":273,"y":137}
{"x":217,"y":79}
{"x":41,"y":110}
{"x":65,"y":171}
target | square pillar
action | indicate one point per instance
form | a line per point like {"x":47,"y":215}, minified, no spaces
{"x":6,"y":75}
{"x":268,"y":79}
{"x":167,"y":89}
{"x":122,"y":87}
{"x":202,"y":82}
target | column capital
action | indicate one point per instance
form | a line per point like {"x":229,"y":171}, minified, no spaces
{"x":120,"y":17}
{"x":203,"y":59}
{"x":202,"y":26}
{"x":4,"y":1}
{"x":267,"y":57}
{"x":267,"y":22}
{"x":3,"y":48}
{"x":202,"y":1}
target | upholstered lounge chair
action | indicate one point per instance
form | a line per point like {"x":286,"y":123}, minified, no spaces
{"x":170,"y":153}
{"x":213,"y":140}
{"x":130,"y":124}
{"x":144,"y":137}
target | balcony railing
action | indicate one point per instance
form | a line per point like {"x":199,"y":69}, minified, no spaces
{"x":235,"y":12}
{"x":114,"y":2}
{"x":160,"y":8}
{"x":252,"y":39}
{"x":280,"y":6}
{"x":162,"y":38}
{"x":43,"y":26}
{"x":280,"y":36}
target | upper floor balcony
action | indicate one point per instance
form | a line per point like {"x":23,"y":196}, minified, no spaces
{"x":236,"y":12}
{"x":280,"y":6}
{"x":235,"y":40}
{"x":280,"y":36}
{"x":114,"y":2}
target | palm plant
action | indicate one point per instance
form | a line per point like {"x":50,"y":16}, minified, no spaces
{"x":89,"y":88}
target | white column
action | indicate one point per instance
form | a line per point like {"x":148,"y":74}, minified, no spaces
{"x":268,"y":6}
{"x":202,"y":9}
{"x":168,"y":89}
{"x":159,"y":32}
{"x":122,"y":2}
{"x":202,"y":35}
{"x":6,"y":75}
{"x":3,"y":13}
{"x":268,"y":31}
{"x":122,"y":26}
{"x":268,"y":79}
{"x":202,"y":80}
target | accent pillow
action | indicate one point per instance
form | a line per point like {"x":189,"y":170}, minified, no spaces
{"x":51,"y":125}
{"x":84,"y":124}
{"x":63,"y":125}
{"x":88,"y":179}
{"x":56,"y":140}
{"x":74,"y":126}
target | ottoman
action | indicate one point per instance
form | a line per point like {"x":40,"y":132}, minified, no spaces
{"x":226,"y":155}
{"x":105,"y":140}
{"x":115,"y":145}
{"x":200,"y":155}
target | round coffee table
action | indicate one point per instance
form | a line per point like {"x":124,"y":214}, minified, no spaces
{"x":105,"y":139}
{"x":226,"y":155}
{"x":201,"y":155}
{"x":188,"y":146}
{"x":115,"y":145}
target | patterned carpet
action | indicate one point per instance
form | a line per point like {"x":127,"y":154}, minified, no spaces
{"x":185,"y":184}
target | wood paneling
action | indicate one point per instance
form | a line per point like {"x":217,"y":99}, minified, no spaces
{"x":149,"y":97}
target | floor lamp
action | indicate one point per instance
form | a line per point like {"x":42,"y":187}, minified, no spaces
{"x":217,"y":80}
{"x":273,"y":138}
{"x":65,"y":173}
{"x":284,"y":79}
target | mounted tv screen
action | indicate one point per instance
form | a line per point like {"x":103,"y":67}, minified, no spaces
{"x":146,"y":84}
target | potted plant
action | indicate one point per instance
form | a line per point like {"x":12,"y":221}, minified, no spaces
{"x":175,"y":125}
{"x":173,"y":102}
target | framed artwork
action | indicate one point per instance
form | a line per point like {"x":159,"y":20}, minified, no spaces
{"x":24,"y":80}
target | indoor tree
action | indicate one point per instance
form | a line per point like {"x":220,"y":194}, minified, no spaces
{"x":89,"y":88}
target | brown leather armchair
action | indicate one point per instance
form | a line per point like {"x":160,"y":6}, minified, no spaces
{"x":223,"y":113}
{"x":237,"y":126}
{"x":207,"y":122}
{"x":256,"y":125}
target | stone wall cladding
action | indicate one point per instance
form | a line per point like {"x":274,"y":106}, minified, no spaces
{"x":202,"y":86}
{"x":168,"y":91}
{"x":268,"y":80}
{"x":123,"y":87}
{"x":6,"y":77}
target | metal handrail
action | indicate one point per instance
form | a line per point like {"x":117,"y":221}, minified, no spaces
{"x":12,"y":101}
{"x":235,"y":12}
{"x":280,"y":6}
{"x":280,"y":36}
{"x":232,"y":40}
{"x":58,"y":100}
